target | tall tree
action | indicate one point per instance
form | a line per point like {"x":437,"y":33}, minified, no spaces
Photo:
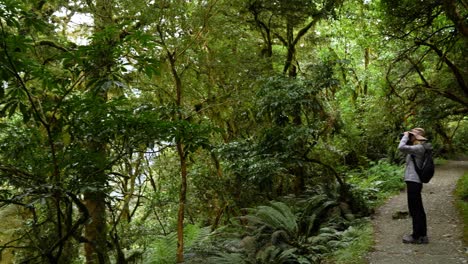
{"x":431,"y":61}
{"x":434,"y":41}
{"x":288,"y":22}
{"x":180,"y":29}
{"x":99,"y":77}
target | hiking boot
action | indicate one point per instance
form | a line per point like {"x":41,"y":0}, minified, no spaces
{"x":424,"y":240}
{"x":408,"y":239}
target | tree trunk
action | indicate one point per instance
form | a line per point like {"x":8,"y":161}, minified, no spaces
{"x":290,"y":44}
{"x":96,"y":250}
{"x":182,"y":199}
{"x":96,"y":229}
{"x":183,"y":162}
{"x":446,"y":139}
{"x":450,"y":8}
{"x":366,"y":68}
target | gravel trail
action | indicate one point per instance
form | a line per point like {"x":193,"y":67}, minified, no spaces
{"x":443,"y":221}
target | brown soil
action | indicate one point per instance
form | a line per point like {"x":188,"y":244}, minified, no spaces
{"x":444,"y":224}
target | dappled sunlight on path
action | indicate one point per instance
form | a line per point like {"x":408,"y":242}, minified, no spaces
{"x":444,"y":224}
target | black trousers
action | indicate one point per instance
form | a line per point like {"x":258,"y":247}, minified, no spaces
{"x":416,"y":209}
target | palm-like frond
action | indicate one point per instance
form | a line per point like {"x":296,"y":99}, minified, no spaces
{"x":315,"y":208}
{"x":277,"y":216}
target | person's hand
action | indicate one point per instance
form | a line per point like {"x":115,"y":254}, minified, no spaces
{"x":406,"y":133}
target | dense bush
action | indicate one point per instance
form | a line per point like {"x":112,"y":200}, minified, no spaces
{"x":374,"y":185}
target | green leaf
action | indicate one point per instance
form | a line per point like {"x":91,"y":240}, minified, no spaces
{"x":25,"y":112}
{"x":12,"y":109}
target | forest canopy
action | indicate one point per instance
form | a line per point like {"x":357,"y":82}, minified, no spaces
{"x":178,"y":130}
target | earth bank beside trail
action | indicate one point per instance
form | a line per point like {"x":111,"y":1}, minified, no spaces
{"x":445,"y":228}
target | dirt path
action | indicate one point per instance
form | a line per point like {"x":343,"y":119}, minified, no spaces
{"x":444,"y":224}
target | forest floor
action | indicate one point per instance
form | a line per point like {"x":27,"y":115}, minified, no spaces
{"x":445,"y":227}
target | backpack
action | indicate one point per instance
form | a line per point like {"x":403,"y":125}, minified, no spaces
{"x":426,"y":172}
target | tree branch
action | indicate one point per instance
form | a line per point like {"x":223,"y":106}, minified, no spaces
{"x":458,"y":75}
{"x":51,"y":44}
{"x":328,"y":167}
{"x":450,"y":8}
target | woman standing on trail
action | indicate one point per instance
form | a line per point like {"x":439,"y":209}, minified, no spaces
{"x":412,"y":144}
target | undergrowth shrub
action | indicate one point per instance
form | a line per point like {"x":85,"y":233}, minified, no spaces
{"x":372,"y":186}
{"x":306,"y":229}
{"x":358,"y":239}
{"x":283,"y":233}
{"x":461,"y":193}
{"x":461,"y":138}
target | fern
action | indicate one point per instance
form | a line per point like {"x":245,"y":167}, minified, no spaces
{"x":273,"y":255}
{"x":228,"y":258}
{"x":288,"y":219}
{"x":314,"y":209}
{"x":163,"y":249}
{"x":278,"y":216}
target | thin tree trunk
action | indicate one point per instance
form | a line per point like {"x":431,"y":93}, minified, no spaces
{"x":182,"y":199}
{"x":366,"y":65}
{"x":183,"y":163}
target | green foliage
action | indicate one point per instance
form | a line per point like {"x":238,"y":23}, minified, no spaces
{"x":10,"y":227}
{"x":229,"y":258}
{"x":272,"y":237}
{"x":281,"y":99}
{"x":163,"y":249}
{"x":273,"y":254}
{"x":459,"y":130}
{"x":268,"y":98}
{"x":255,"y":172}
{"x":277,"y":216}
{"x":372,"y":186}
{"x":461,"y":194}
{"x":280,"y":233}
{"x":313,"y":211}
{"x":428,"y":71}
{"x":356,"y":242}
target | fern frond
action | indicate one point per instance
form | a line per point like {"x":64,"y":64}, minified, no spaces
{"x":312,"y":203}
{"x":311,"y":220}
{"x":268,"y":255}
{"x":163,"y":249}
{"x":278,"y":216}
{"x":197,"y":236}
{"x":228,"y":258}
{"x":323,"y":238}
{"x":288,"y":255}
{"x":289,"y":219}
